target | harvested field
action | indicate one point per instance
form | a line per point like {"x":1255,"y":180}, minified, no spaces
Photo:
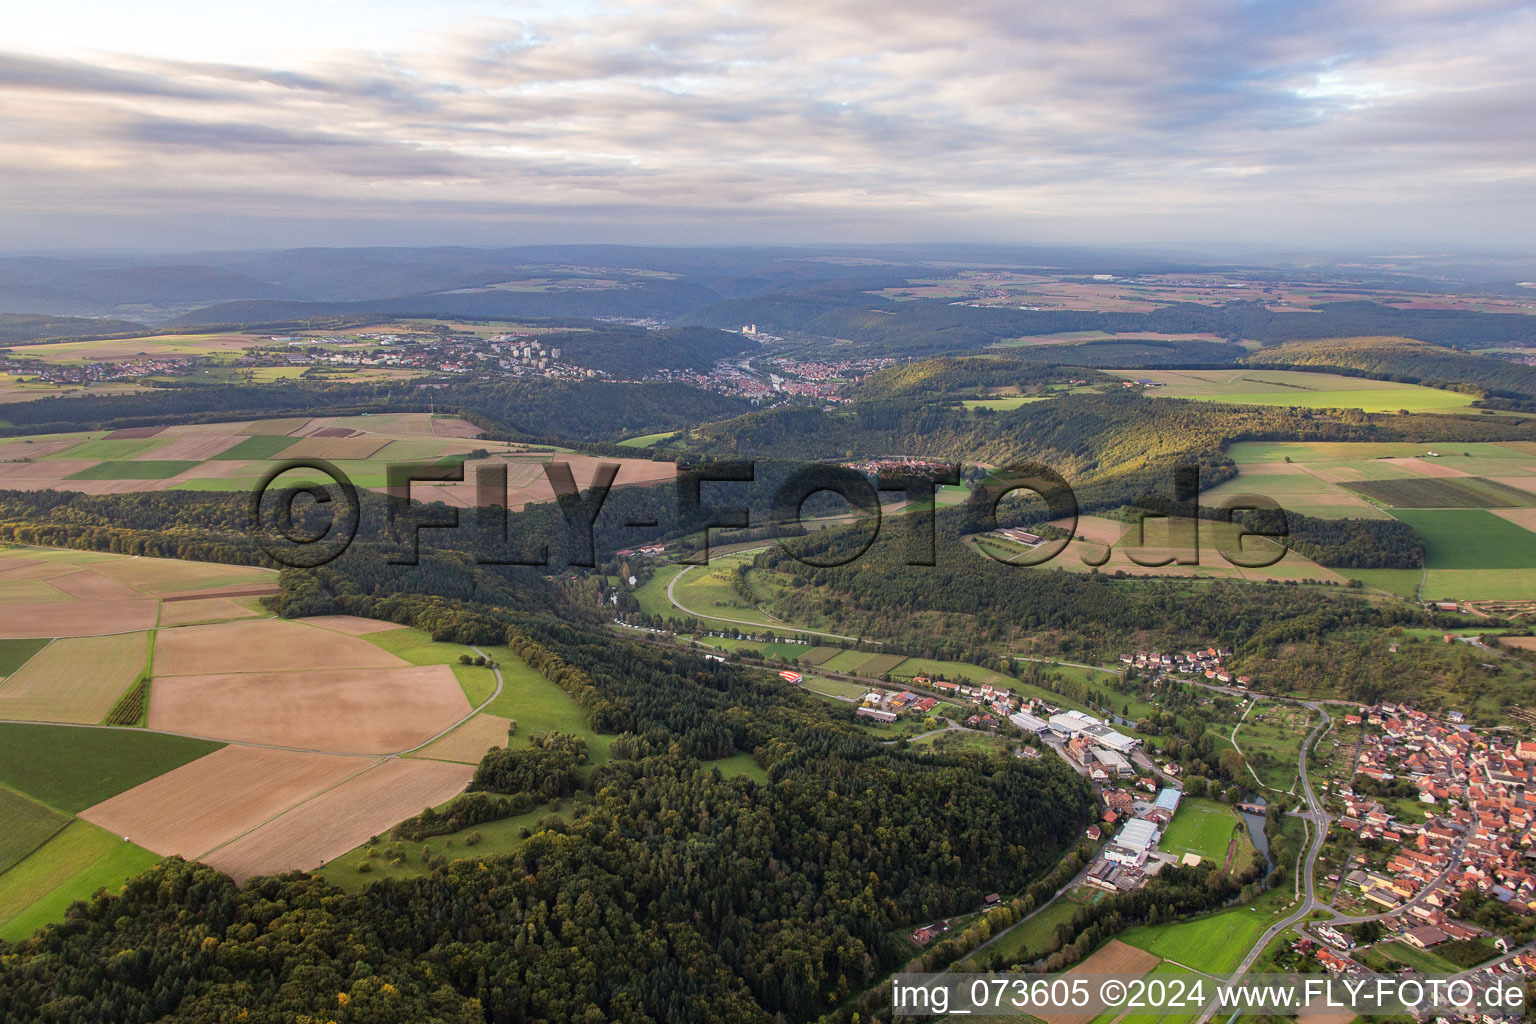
{"x":89,"y":585}
{"x":28,"y":591}
{"x":290,"y":425}
{"x":273,"y":644}
{"x":204,"y":609}
{"x":75,"y":679}
{"x":78,"y":618}
{"x":333,"y":432}
{"x":1524,"y":643}
{"x":197,"y":447}
{"x":232,"y":590}
{"x":1426,"y":467}
{"x":26,"y":448}
{"x":341,"y":818}
{"x":351,"y":625}
{"x":469,"y":742}
{"x":233,"y":789}
{"x":455,"y":428}
{"x":1525,"y":517}
{"x":133,"y":432}
{"x":357,"y":710}
{"x":1115,"y":958}
{"x":316,"y":447}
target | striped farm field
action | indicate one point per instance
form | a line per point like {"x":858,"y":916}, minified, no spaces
{"x":76,"y":679}
{"x":880,"y":664}
{"x":28,"y":825}
{"x":845,"y":661}
{"x":819,"y":655}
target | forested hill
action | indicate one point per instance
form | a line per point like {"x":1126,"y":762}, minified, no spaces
{"x":931,"y":327}
{"x":671,"y":892}
{"x":1403,"y":359}
{"x":588,"y":410}
{"x":1113,"y":448}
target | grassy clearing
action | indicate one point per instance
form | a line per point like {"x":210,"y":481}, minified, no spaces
{"x":15,"y":653}
{"x":1270,"y":739}
{"x":1419,"y":959}
{"x":652,"y":594}
{"x":71,"y":866}
{"x":1034,"y":938}
{"x":1402,"y":582}
{"x":538,"y":706}
{"x":497,"y":838}
{"x":74,"y":768}
{"x":1470,"y":539}
{"x":27,"y":824}
{"x":1215,"y":944}
{"x":647,"y":440}
{"x":740,"y":765}
{"x":1202,"y":827}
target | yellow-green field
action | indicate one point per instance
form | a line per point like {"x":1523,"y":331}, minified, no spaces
{"x":1299,"y":388}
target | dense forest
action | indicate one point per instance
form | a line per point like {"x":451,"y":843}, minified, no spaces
{"x":590,"y":410}
{"x":673,"y":893}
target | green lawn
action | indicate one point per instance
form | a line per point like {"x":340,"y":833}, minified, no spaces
{"x":538,"y":705}
{"x":1419,"y":959}
{"x":1202,"y":827}
{"x":835,"y":687}
{"x":1480,"y":585}
{"x":1215,"y":944}
{"x":16,"y":653}
{"x":1031,"y":940}
{"x":1470,"y":539}
{"x":652,"y":594}
{"x":71,"y":866}
{"x":1413,"y":398}
{"x":74,"y":768}
{"x":261,"y":446}
{"x":25,"y":825}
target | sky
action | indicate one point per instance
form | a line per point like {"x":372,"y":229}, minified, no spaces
{"x":1357,"y":124}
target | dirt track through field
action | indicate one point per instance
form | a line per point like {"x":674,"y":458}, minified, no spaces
{"x":208,"y":802}
{"x":336,"y":821}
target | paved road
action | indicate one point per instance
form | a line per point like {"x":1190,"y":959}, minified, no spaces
{"x":1309,"y":903}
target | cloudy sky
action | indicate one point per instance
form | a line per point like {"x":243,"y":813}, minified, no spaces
{"x":227,"y":123}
